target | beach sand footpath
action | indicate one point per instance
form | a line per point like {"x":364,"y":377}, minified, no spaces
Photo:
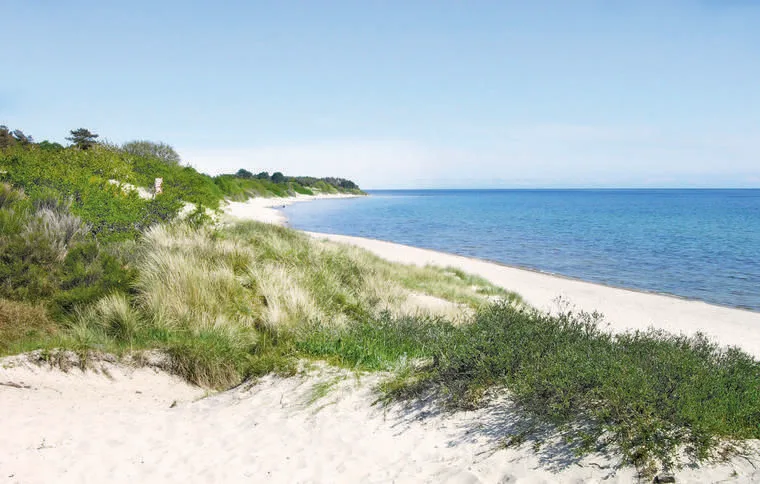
{"x":142,"y":425}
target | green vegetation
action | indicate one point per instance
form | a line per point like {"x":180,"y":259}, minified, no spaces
{"x":88,"y":264}
{"x":48,"y":254}
{"x":649,"y":394}
{"x":228,"y":304}
{"x":83,"y":139}
{"x":110,"y":187}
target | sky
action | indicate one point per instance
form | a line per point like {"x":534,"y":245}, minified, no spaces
{"x":403,"y":94}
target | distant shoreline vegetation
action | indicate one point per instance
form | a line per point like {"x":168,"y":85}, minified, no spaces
{"x":110,"y":187}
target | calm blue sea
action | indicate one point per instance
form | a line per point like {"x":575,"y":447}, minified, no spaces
{"x":700,"y":244}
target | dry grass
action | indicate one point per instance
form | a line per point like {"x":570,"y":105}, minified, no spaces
{"x":22,"y":324}
{"x":226,"y":304}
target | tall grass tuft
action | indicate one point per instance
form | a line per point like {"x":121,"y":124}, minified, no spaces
{"x":114,"y":317}
{"x":58,"y":229}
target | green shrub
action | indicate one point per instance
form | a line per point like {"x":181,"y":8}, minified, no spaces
{"x":649,"y":394}
{"x":300,"y":189}
{"x":85,"y":178}
{"x":49,"y":255}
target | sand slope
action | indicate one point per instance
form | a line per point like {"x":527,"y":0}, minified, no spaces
{"x":87,"y":427}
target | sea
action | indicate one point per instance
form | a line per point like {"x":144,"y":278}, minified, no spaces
{"x":691,"y":243}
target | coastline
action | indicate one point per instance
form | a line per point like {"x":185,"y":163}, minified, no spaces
{"x":623,"y":309}
{"x":267,"y":209}
{"x":123,"y":423}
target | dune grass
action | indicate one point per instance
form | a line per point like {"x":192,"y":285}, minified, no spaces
{"x":23,"y":326}
{"x":233,"y":303}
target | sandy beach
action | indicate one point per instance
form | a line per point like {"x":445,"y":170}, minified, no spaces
{"x":116,"y":423}
{"x":622,"y":309}
{"x":267,"y":209}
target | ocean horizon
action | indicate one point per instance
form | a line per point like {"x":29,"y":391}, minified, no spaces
{"x":693,"y":243}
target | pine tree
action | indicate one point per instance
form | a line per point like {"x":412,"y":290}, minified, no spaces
{"x":82,"y":138}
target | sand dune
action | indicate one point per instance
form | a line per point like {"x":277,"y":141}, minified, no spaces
{"x":123,"y":425}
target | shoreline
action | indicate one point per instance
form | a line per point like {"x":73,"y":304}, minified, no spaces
{"x":267,"y":210}
{"x":623,"y":309}
{"x":124,"y":420}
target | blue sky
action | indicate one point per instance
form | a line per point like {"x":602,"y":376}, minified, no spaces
{"x":403,"y":94}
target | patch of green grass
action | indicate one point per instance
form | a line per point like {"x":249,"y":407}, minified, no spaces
{"x":254,"y":298}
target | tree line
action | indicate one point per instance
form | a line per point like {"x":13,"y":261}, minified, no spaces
{"x":84,"y":139}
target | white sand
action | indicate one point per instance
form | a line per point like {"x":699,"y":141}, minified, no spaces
{"x":86,"y":427}
{"x":266,"y":209}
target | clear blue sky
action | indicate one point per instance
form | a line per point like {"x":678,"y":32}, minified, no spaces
{"x":403,"y":94}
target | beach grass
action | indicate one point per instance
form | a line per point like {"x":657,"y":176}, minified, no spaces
{"x":228,"y":304}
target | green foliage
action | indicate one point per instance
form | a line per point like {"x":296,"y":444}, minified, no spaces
{"x":324,"y":187}
{"x":278,"y":177}
{"x":48,"y":146}
{"x":48,"y":255}
{"x":22,"y":322}
{"x":649,"y":394}
{"x":299,"y":189}
{"x":153,"y":149}
{"x":92,"y":180}
{"x":241,"y":189}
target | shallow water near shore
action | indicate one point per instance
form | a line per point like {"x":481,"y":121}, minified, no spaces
{"x":698,"y":244}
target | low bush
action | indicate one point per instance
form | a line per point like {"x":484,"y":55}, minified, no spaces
{"x":649,"y":394}
{"x":49,"y":255}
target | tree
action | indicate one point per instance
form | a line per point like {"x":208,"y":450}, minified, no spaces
{"x":264,"y":175}
{"x":82,"y":138}
{"x":160,"y":150}
{"x":50,"y":146}
{"x":278,"y":177}
{"x":243,"y":173}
